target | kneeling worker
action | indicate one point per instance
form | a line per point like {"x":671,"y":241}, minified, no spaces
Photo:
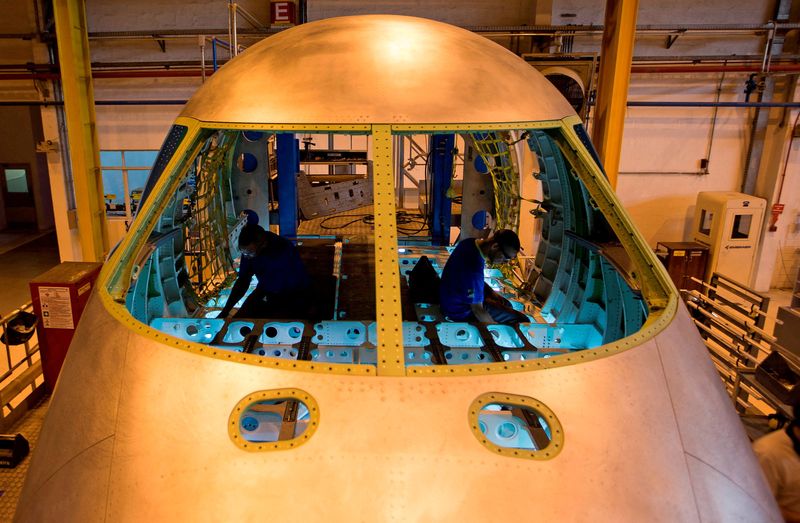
{"x":283,"y":283}
{"x":464,"y":295}
{"x":779,"y":455}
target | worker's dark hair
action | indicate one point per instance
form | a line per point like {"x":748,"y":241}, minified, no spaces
{"x":506,"y":238}
{"x":250,"y":234}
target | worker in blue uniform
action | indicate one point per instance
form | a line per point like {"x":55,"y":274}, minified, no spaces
{"x":464,"y":296}
{"x":283,"y":289}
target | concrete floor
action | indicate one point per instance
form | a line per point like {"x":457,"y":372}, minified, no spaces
{"x":23,"y":256}
{"x":11,"y":480}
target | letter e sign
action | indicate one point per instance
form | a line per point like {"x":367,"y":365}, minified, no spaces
{"x":282,"y":13}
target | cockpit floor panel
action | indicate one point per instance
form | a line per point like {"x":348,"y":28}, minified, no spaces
{"x":318,"y":257}
{"x":357,"y":288}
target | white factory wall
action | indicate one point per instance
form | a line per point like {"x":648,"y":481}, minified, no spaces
{"x":660,"y":143}
{"x":139,"y":126}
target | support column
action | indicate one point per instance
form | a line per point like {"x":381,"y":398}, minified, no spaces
{"x":55,"y":149}
{"x":770,"y":90}
{"x":440,"y":168}
{"x":616,"y":56}
{"x":770,"y":133}
{"x":288,"y":158}
{"x":76,"y":77}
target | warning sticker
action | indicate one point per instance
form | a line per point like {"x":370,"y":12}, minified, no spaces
{"x":56,"y":308}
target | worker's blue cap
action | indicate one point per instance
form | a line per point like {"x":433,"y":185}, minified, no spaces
{"x":252,"y":217}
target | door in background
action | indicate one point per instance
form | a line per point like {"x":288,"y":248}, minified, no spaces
{"x":20,"y":208}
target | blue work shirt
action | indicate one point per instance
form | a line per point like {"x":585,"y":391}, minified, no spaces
{"x":462,"y":280}
{"x":278,"y":270}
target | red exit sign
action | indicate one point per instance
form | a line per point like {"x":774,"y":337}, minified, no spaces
{"x":282,"y":13}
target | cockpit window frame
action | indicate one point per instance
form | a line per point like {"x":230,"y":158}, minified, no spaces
{"x":662,"y":303}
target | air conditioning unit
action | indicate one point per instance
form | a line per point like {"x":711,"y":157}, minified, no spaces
{"x":729,"y":224}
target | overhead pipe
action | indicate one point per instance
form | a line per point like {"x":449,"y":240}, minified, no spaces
{"x":507,"y":30}
{"x":741,"y":105}
{"x":640,"y":28}
{"x":214,"y":55}
{"x":639,"y":69}
{"x":644,"y":60}
{"x":230,"y":36}
{"x":18,"y":36}
{"x":30,"y":67}
{"x":222,"y":43}
{"x":714,"y":104}
{"x":666,"y":69}
{"x":58,"y":103}
{"x":522,"y":30}
{"x":165,"y":73}
{"x":232,"y":28}
{"x":303,"y":12}
{"x":701,"y":172}
{"x":765,"y":63}
{"x":202,"y":43}
{"x":706,"y":162}
{"x":749,"y":64}
{"x":695,"y":59}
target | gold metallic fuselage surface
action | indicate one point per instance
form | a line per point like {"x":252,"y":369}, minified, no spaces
{"x":376,"y":69}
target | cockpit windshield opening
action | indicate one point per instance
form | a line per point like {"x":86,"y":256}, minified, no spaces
{"x":267,"y":243}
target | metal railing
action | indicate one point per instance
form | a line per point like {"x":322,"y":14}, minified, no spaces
{"x":21,"y":384}
{"x":731,"y":319}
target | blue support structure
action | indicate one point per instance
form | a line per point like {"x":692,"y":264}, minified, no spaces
{"x":214,"y":54}
{"x":288,"y":165}
{"x":440,"y":171}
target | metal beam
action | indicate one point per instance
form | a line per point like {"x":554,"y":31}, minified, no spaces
{"x":490,"y":30}
{"x":391,"y":356}
{"x":76,"y":77}
{"x":616,"y":56}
